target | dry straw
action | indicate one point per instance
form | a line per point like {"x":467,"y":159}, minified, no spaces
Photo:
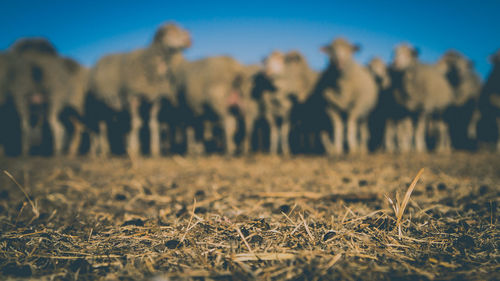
{"x":399,"y":207}
{"x":33,"y":206}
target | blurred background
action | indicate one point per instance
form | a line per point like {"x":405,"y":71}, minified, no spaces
{"x":87,"y":30}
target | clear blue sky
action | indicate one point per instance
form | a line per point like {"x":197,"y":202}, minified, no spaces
{"x":86,"y":30}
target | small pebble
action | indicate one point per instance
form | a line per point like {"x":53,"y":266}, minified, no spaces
{"x":147,"y":191}
{"x":172,"y":244}
{"x":256,"y":239}
{"x":328,"y":235}
{"x":136,"y":222}
{"x":465,"y":242}
{"x":285,"y":208}
{"x":80,"y":264}
{"x":200,"y":194}
{"x":4,"y":194}
{"x":245,"y":232}
{"x":484,"y":189}
{"x":200,"y":210}
{"x":362,"y":182}
{"x":120,"y":197}
{"x":346,"y":180}
{"x":441,"y":186}
{"x":13,"y":269}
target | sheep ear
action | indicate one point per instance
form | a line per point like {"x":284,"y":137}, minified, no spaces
{"x":326,"y":49}
{"x":356,"y":48}
{"x":158,"y":37}
{"x":416,"y":52}
{"x":494,"y":58}
{"x":293,"y":57}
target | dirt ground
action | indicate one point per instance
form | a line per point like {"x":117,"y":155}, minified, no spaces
{"x":260,"y":217}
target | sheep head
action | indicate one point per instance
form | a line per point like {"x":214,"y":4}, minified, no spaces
{"x":34,"y":45}
{"x":456,"y":67}
{"x":340,"y":52}
{"x":379,"y":69}
{"x":274,"y":64}
{"x":495,"y":58}
{"x":172,"y":37}
{"x":404,"y":56}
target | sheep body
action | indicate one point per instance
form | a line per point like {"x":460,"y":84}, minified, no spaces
{"x":42,"y":77}
{"x":120,"y":82}
{"x":349,"y":89}
{"x":424,"y":91}
{"x":215,"y":86}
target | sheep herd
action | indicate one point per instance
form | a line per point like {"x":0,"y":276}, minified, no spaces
{"x":155,"y":98}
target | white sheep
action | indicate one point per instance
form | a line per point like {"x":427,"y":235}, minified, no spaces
{"x":292,"y":81}
{"x":42,"y":77}
{"x":350,"y":90}
{"x":121,"y":81}
{"x":422,"y":89}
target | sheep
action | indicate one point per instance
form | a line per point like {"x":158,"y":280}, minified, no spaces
{"x":461,"y":115}
{"x":348,"y":89}
{"x":215,"y":89}
{"x":489,"y":104}
{"x":43,"y":78}
{"x":292,"y":82}
{"x":379,"y":120}
{"x":5,"y":73}
{"x":28,"y":95}
{"x":118,"y":82}
{"x":421,"y":89}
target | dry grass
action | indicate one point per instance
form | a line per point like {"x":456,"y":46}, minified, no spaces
{"x":250,"y":218}
{"x":399,"y":208}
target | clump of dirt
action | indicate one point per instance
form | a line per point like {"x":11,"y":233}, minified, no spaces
{"x":262,"y":217}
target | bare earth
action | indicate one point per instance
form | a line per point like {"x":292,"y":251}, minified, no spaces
{"x":261,"y":217}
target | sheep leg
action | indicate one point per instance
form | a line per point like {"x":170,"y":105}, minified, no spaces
{"x":194,"y":147}
{"x":230,"y":126}
{"x":26,"y":136}
{"x":335,"y":98}
{"x":389,"y":136}
{"x":311,"y":141}
{"x":133,"y":144}
{"x":338,"y":138}
{"x":444,"y":137}
{"x":495,"y":99}
{"x":420,"y":129}
{"x":364,"y":136}
{"x":58,"y":134}
{"x":102,"y":139}
{"x":76,"y":139}
{"x":249,"y":124}
{"x":94,"y":141}
{"x":207,"y":130}
{"x":498,"y":139}
{"x":191,"y":140}
{"x":24,"y":115}
{"x":352,"y":134}
{"x":154,"y":128}
{"x":274,"y":136}
{"x":165,"y":143}
{"x":472,"y":127}
{"x":405,"y":135}
{"x":178,"y":137}
{"x":285,"y":133}
{"x":98,"y":141}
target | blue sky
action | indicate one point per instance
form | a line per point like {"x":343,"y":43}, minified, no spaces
{"x":86,"y":30}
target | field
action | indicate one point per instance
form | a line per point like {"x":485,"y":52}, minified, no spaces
{"x":258,"y":217}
